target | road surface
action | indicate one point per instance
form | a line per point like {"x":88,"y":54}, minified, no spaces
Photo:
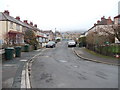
{"x":60,"y":68}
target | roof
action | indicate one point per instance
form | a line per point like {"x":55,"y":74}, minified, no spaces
{"x":104,"y":22}
{"x":5,"y":17}
{"x":2,"y":17}
{"x":48,"y":31}
{"x":14,"y":32}
{"x":118,"y":16}
{"x":41,"y":36}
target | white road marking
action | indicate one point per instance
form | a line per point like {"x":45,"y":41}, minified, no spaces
{"x":23,"y":84}
{"x":27,"y":78}
{"x":9,"y":65}
{"x":23,"y":60}
{"x":38,"y":50}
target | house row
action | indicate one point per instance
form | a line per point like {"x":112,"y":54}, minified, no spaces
{"x":71,"y":35}
{"x":105,"y":26}
{"x":13,"y":30}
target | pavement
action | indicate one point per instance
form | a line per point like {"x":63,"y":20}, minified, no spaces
{"x":12,"y":70}
{"x":82,"y":53}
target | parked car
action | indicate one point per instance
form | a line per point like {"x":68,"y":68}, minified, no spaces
{"x":50,"y":44}
{"x":71,"y":43}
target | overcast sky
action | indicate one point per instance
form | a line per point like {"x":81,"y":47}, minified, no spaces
{"x":63,"y":15}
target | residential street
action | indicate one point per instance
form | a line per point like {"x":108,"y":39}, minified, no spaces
{"x":60,"y":67}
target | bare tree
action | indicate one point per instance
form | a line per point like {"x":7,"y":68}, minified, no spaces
{"x":10,"y":39}
{"x":117,"y":31}
{"x":30,"y":37}
{"x":100,"y":35}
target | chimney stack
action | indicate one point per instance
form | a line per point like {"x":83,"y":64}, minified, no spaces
{"x":109,"y":18}
{"x":98,"y":21}
{"x":109,"y":21}
{"x":102,"y":18}
{"x":18,"y":18}
{"x":25,"y":21}
{"x":6,"y":12}
{"x":31,"y":23}
{"x":94,"y":24}
{"x":35,"y":25}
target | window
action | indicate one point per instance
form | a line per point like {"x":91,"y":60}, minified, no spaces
{"x":23,"y":29}
{"x":11,"y":25}
{"x":18,"y":27}
{"x":118,"y":20}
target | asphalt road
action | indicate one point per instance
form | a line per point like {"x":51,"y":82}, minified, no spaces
{"x":60,"y":68}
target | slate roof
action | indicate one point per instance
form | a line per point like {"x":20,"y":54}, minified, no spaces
{"x":5,"y":17}
{"x":104,"y":22}
{"x":117,"y":16}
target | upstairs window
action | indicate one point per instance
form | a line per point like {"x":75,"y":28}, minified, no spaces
{"x":18,"y":27}
{"x":118,"y":20}
{"x":23,"y":29}
{"x":11,"y":25}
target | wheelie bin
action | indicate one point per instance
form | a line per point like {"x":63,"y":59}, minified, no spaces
{"x":9,"y":53}
{"x":26,"y":48}
{"x":17,"y":51}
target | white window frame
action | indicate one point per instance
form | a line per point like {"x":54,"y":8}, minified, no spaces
{"x":118,"y":20}
{"x":11,"y":25}
{"x":17,"y":27}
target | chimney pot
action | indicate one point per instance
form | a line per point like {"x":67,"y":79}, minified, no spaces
{"x":109,"y":21}
{"x":98,"y":21}
{"x":95,"y":24}
{"x":6,"y":12}
{"x":18,"y":18}
{"x":31,"y":23}
{"x":35,"y":25}
{"x":102,"y":18}
{"x":25,"y":21}
{"x":109,"y":17}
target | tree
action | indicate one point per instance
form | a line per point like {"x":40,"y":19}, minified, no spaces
{"x":30,"y":37}
{"x":82,"y":40}
{"x":117,"y":31}
{"x":101,"y":34}
{"x":10,"y":38}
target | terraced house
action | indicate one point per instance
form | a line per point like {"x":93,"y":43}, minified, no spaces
{"x":13,"y":29}
{"x":102,"y":32}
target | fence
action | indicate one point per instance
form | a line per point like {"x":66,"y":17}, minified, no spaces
{"x":108,"y":50}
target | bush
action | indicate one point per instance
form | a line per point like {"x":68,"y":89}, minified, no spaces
{"x":30,"y":37}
